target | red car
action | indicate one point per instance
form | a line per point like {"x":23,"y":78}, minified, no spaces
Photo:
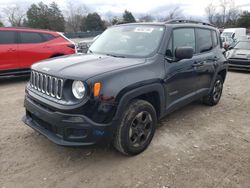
{"x":21,"y":47}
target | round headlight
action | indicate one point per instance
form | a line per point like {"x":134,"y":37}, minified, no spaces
{"x":78,"y":89}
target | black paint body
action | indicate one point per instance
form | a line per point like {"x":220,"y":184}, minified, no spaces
{"x":166,"y":84}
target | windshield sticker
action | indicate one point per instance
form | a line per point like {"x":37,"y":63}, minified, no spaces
{"x":144,"y":29}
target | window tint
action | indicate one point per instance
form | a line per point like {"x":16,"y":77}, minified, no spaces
{"x":47,"y":37}
{"x":184,"y":37}
{"x":30,"y":37}
{"x":204,"y":40}
{"x":7,"y":37}
{"x":215,"y":38}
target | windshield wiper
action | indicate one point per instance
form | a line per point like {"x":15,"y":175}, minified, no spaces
{"x":112,"y":55}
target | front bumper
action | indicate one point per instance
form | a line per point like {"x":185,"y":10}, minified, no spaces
{"x":66,"y":129}
{"x":240,"y":64}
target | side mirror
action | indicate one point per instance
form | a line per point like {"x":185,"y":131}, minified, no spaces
{"x":184,"y":53}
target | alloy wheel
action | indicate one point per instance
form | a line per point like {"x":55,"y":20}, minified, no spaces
{"x":140,"y":129}
{"x":217,"y":90}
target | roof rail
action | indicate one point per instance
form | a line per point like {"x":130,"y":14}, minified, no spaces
{"x":176,"y":21}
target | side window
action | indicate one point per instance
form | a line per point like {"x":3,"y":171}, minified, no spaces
{"x":215,"y":38}
{"x":30,"y":37}
{"x":8,"y":37}
{"x":48,"y":37}
{"x":184,"y":37}
{"x":204,"y":40}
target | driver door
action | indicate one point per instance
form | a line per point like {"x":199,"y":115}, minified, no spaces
{"x":181,"y":81}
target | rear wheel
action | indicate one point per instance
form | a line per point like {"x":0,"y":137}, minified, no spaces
{"x":214,"y":96}
{"x":137,"y":128}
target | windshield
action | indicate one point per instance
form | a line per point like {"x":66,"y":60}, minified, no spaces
{"x":129,"y":40}
{"x":243,"y":45}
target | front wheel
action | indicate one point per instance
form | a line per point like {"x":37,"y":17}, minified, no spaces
{"x":214,"y":96}
{"x":137,"y":128}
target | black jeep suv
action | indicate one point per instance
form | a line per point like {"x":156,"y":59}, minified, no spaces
{"x":132,"y":76}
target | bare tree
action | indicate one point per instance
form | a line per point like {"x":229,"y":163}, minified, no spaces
{"x":146,"y":18}
{"x":224,"y":7}
{"x":226,"y":13}
{"x":15,"y":15}
{"x":175,"y":13}
{"x":233,"y":14}
{"x":75,"y":16}
{"x":109,"y":17}
{"x":1,"y":23}
{"x":211,"y":13}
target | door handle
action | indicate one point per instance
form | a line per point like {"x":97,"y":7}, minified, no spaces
{"x":198,"y":64}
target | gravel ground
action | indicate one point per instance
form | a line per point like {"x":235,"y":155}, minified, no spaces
{"x":197,"y":146}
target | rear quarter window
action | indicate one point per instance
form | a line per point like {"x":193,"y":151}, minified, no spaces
{"x":30,"y":37}
{"x":47,"y":37}
{"x":8,"y":37}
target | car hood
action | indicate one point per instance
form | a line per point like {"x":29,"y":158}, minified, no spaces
{"x":239,"y":54}
{"x":84,"y":67}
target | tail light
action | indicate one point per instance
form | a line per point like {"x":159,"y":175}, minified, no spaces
{"x":71,"y":46}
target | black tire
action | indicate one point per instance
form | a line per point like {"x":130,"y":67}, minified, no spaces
{"x":214,"y":96}
{"x":137,"y":128}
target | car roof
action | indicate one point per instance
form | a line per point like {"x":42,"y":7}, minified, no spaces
{"x":176,"y":23}
{"x":28,"y":30}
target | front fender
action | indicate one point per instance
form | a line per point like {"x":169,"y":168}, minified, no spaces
{"x":128,"y":94}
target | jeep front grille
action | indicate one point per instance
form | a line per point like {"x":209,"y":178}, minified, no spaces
{"x":46,"y":84}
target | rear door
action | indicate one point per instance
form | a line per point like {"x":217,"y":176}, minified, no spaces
{"x":31,"y":48}
{"x":8,"y":50}
{"x":207,"y":43}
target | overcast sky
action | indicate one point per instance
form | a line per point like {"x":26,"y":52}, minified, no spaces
{"x":190,"y":8}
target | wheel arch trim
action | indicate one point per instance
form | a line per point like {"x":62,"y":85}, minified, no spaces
{"x":123,"y":98}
